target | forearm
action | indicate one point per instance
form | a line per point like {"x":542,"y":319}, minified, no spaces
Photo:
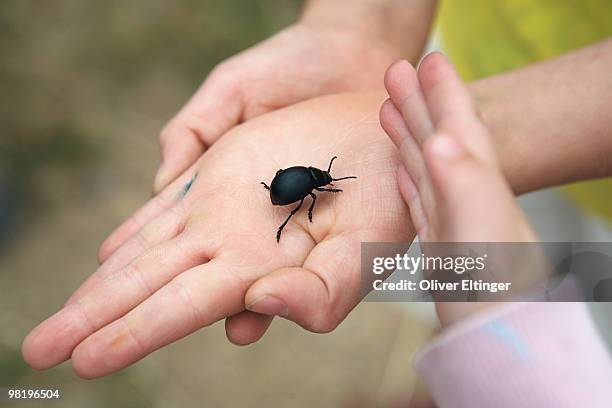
{"x":403,"y":25}
{"x":551,"y":121}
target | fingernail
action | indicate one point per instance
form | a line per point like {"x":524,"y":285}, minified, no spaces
{"x":445,"y":147}
{"x":269,"y":305}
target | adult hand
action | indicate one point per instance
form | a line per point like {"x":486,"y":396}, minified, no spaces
{"x":298,"y":63}
{"x":185,"y":261}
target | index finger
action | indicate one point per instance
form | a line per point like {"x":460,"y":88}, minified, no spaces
{"x":190,"y":301}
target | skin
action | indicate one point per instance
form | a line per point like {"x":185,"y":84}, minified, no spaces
{"x":527,"y":112}
{"x":190,"y":263}
{"x":309,"y":278}
{"x":315,"y":56}
{"x":438,"y":111}
{"x":508,"y":133}
{"x":551,"y":117}
{"x":446,"y":150}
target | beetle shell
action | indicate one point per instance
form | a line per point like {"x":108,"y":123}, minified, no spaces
{"x":291,"y":185}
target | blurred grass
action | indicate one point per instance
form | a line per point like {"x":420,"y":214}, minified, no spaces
{"x":13,"y":367}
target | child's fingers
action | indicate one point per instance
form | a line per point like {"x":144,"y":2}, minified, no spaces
{"x":444,"y":91}
{"x":403,"y":87}
{"x":152,"y":209}
{"x":162,"y":229}
{"x":410,"y":152}
{"x":193,"y":299}
{"x":246,"y":327}
{"x":452,"y":108}
{"x":53,"y":340}
{"x":475,"y":204}
{"x":412,"y":161}
{"x":411,"y":196}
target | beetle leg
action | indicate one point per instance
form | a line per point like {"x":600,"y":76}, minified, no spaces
{"x":280,"y":229}
{"x":314,"y":199}
{"x":331,"y":190}
{"x":265,"y":185}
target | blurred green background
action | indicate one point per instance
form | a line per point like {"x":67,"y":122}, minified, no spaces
{"x":85,"y":87}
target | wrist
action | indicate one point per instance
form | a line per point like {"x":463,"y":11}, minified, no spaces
{"x":401,"y":28}
{"x":356,"y":36}
{"x":535,"y":113}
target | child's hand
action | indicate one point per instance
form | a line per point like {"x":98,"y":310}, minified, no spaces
{"x":299,"y":63}
{"x":450,"y":176}
{"x":185,"y":261}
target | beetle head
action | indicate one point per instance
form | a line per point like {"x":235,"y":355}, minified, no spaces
{"x":320,"y":177}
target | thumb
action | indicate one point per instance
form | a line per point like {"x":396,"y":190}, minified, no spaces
{"x":215,"y":108}
{"x":318,"y":295}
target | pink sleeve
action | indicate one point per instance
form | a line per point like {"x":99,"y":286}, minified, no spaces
{"x":520,"y":355}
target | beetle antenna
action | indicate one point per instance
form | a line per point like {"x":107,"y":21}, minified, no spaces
{"x":344,"y":178}
{"x":330,"y":163}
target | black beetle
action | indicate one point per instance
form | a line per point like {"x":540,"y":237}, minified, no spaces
{"x":295,"y":183}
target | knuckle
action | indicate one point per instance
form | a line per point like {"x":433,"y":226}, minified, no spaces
{"x":219,"y":70}
{"x":105,"y":249}
{"x":196,"y":123}
{"x":167,"y":226}
{"x":325,"y":322}
{"x":176,"y":213}
{"x":164,"y":200}
{"x":88,"y":318}
{"x":239,"y":279}
{"x":328,"y":318}
{"x":131,"y":332}
{"x":133,"y":272}
{"x":167,"y":132}
{"x":222,"y":71}
{"x":141,"y":238}
{"x":181,"y":291}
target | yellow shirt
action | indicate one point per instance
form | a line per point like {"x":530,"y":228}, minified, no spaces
{"x":486,"y":37}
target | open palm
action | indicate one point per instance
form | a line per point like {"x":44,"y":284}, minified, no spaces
{"x":185,"y":261}
{"x":298,"y":63}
